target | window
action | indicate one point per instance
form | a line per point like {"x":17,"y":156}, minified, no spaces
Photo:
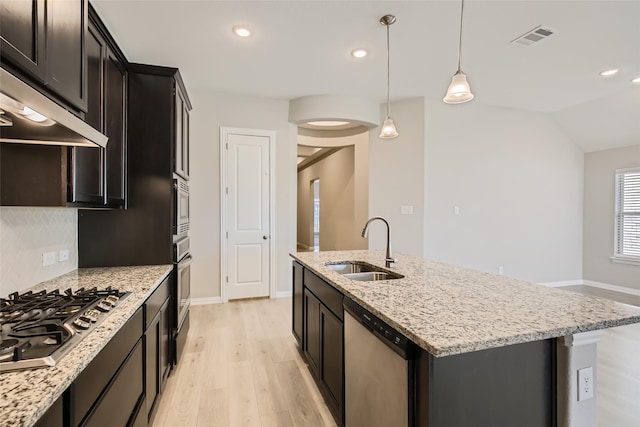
{"x":628,"y":216}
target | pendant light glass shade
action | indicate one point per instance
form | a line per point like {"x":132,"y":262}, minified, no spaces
{"x":389,"y":129}
{"x":459,"y":90}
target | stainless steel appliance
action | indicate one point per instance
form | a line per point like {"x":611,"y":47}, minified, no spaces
{"x":379,"y":371}
{"x":38,"y":329}
{"x":181,"y":208}
{"x":28,"y":117}
{"x":183,"y":295}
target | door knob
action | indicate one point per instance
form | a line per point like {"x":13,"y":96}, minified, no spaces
{"x":264,"y":237}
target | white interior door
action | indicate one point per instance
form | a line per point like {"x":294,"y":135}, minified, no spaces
{"x":247,"y":215}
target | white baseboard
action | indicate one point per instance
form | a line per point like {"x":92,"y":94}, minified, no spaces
{"x":206,"y":301}
{"x":616,"y":288}
{"x":283,"y":294}
{"x":563,"y":283}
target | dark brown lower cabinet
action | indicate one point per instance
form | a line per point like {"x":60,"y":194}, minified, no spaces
{"x":157,"y":345}
{"x":312,"y":331}
{"x":54,"y":417}
{"x":297,"y":322}
{"x":110,"y":391}
{"x":323,"y":350}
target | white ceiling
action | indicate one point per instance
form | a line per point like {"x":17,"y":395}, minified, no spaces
{"x":303,"y":48}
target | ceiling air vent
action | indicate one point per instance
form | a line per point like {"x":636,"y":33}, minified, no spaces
{"x":532,"y":36}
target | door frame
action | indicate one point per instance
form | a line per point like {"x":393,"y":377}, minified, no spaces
{"x":224,"y":132}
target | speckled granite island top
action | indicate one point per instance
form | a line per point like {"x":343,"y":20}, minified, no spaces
{"x":449,"y":310}
{"x":26,"y":395}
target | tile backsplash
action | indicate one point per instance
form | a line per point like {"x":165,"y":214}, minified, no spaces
{"x":27,"y":233}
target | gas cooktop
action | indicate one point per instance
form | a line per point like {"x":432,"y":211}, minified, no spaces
{"x":38,"y":328}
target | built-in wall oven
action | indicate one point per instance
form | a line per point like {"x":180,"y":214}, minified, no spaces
{"x":182,"y":267}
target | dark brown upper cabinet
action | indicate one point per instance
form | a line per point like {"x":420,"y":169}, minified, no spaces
{"x":98,"y":176}
{"x":85,"y":177}
{"x":44,"y":40}
{"x":22,"y":42}
{"x":181,"y":147}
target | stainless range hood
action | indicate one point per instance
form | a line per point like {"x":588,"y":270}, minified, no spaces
{"x":28,"y":117}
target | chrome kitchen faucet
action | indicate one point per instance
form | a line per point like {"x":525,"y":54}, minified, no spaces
{"x":388,"y":261}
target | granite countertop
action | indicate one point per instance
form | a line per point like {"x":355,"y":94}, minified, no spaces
{"x":26,"y":395}
{"x":450,"y":310}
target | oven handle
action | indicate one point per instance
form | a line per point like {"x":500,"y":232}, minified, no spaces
{"x":185,"y":262}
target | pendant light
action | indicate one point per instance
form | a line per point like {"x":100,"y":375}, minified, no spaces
{"x":459,"y":90}
{"x":389,"y":129}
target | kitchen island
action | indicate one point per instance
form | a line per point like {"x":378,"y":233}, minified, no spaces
{"x":477,"y":333}
{"x":27,"y":395}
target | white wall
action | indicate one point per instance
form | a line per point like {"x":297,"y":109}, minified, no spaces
{"x":599,"y":216}
{"x":518,"y":182}
{"x":516,"y":178}
{"x":396,"y":178}
{"x":210,"y":112}
{"x":25,"y":234}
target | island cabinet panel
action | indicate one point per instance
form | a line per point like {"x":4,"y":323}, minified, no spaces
{"x":332,"y":371}
{"x":297,"y":302}
{"x":500,"y":387}
{"x":323,"y":339}
{"x":312,"y":331}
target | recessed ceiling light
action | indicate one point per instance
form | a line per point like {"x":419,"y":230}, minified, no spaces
{"x":359,"y":53}
{"x":241,"y":31}
{"x":635,"y":80}
{"x":609,"y":72}
{"x":328,"y":123}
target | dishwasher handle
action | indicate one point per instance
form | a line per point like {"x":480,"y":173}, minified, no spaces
{"x":385,"y":333}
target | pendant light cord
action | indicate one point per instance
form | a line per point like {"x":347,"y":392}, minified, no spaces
{"x":460,"y":39}
{"x":388,"y":74}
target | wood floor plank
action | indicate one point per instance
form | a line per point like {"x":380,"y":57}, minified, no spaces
{"x":302,"y":408}
{"x":242,"y":367}
{"x":243,"y":402}
{"x":281,"y":419}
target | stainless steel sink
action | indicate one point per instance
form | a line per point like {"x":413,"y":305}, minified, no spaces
{"x":362,"y":271}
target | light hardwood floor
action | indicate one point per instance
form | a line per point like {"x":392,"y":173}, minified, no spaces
{"x":241,"y":367}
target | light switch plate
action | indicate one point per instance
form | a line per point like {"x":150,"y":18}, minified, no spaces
{"x":48,"y":258}
{"x":406,"y":210}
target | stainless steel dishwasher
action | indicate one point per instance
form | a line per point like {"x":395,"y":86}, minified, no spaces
{"x":379,"y":371}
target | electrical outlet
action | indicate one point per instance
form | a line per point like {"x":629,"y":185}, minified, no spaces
{"x":48,"y":258}
{"x":501,"y":270}
{"x":585,"y":384}
{"x":63,"y":255}
{"x":456,"y":210}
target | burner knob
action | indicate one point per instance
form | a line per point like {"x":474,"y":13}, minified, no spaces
{"x":90,"y":316}
{"x":104,"y":306}
{"x":81,"y":324}
{"x":112,"y":299}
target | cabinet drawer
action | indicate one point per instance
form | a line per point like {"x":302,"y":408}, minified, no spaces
{"x":326,"y":293}
{"x":119,"y":403}
{"x":155,"y":301}
{"x":89,"y":385}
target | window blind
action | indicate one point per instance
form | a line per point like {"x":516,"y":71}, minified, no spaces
{"x":628,"y":213}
